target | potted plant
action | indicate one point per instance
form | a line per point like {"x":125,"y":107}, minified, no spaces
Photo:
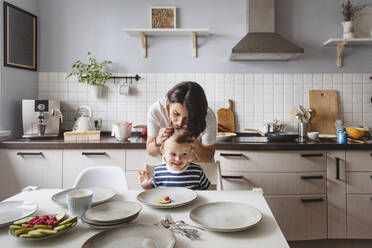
{"x":92,"y":73}
{"x":349,"y":12}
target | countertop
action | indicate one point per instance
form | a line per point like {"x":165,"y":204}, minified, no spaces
{"x":138,"y":142}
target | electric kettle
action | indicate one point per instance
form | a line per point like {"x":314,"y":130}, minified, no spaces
{"x":85,"y":121}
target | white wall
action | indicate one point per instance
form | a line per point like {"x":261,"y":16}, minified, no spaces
{"x":16,"y":84}
{"x":258,"y":98}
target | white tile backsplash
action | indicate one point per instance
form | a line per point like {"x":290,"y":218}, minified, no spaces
{"x":258,"y":98}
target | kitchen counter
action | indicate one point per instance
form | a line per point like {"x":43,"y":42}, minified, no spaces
{"x":137,"y":142}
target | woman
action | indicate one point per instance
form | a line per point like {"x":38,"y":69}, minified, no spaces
{"x":185,"y":106}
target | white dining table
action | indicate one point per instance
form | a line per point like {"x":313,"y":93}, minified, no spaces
{"x":264,"y":234}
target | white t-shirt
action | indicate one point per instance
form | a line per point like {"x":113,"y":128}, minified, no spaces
{"x":157,"y":118}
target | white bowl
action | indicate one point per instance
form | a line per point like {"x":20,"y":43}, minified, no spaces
{"x":313,"y":135}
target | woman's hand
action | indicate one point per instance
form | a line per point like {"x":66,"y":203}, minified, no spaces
{"x":164,"y":134}
{"x":145,"y":179}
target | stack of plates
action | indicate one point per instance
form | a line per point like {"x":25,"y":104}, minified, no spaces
{"x":111,"y":214}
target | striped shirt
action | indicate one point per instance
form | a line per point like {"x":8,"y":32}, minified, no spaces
{"x":192,"y":177}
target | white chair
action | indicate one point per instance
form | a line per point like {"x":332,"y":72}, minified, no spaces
{"x":211,"y":169}
{"x":102,"y":176}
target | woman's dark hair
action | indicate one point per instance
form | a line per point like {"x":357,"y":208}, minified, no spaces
{"x":192,"y":96}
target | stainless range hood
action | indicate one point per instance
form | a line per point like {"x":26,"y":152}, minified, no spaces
{"x":261,"y":42}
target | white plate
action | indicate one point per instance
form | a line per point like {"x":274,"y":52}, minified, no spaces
{"x":47,"y":236}
{"x":132,"y":236}
{"x":225,"y":216}
{"x":108,"y":225}
{"x":179,"y":197}
{"x":225,"y":137}
{"x":114,"y":211}
{"x":100,"y":195}
{"x":11,"y":211}
{"x":327,"y":136}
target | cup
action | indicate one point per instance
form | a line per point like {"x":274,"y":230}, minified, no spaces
{"x":121,"y":131}
{"x":341,"y":137}
{"x":124,"y":89}
{"x":79,"y":201}
{"x":313,"y":135}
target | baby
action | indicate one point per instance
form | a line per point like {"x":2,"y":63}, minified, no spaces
{"x":177,"y":171}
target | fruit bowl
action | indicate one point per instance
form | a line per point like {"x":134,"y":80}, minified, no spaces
{"x":357,"y":132}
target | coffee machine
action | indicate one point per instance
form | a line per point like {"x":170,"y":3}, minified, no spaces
{"x":41,"y":118}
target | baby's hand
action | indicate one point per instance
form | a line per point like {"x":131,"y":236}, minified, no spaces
{"x":145,"y":179}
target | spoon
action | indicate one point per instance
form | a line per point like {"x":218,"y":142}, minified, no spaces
{"x":183,"y":223}
{"x":165,"y":224}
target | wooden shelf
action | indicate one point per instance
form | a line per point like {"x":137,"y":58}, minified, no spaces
{"x":144,"y":33}
{"x":342,"y":43}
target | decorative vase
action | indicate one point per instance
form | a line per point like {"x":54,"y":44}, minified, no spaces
{"x":348,"y":30}
{"x":95,"y":91}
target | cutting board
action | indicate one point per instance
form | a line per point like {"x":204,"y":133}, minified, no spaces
{"x":325,"y":103}
{"x":225,"y":118}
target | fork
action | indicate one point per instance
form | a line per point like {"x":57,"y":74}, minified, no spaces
{"x":171,"y":222}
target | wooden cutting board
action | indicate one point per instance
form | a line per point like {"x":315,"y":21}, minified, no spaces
{"x":225,"y":118}
{"x":325,"y":103}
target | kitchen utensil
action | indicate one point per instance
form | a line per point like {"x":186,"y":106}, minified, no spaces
{"x":256,"y":131}
{"x":294,"y":111}
{"x":303,"y":109}
{"x":100,"y":195}
{"x":303,"y":128}
{"x":114,"y":211}
{"x":11,"y":211}
{"x":133,"y":235}
{"x":299,"y":117}
{"x":171,"y":222}
{"x":178,"y":196}
{"x":312,"y":114}
{"x":181,"y":222}
{"x":222,"y":136}
{"x":225,"y":216}
{"x":121,"y":130}
{"x":165,"y":224}
{"x":226,"y":119}
{"x":313,"y":135}
{"x":275,"y":127}
{"x":325,"y":102}
{"x":286,"y":136}
{"x":79,"y":201}
{"x":85,"y":120}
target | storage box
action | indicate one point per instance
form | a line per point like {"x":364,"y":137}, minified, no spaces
{"x":82,"y":136}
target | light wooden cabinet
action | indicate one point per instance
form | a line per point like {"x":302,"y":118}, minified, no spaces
{"x":21,"y":168}
{"x":359,"y":194}
{"x":302,"y":217}
{"x":291,"y":180}
{"x":75,"y":160}
{"x":336,"y":192}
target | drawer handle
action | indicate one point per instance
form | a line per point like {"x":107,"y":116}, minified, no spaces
{"x":337,"y":168}
{"x":233,"y":155}
{"x":312,"y":177}
{"x":93,"y":153}
{"x":311,"y":200}
{"x":30,"y":154}
{"x":311,"y":155}
{"x":232,"y":177}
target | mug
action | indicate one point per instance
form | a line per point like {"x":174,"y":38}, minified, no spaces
{"x":121,"y":131}
{"x":79,"y":201}
{"x":124,"y":89}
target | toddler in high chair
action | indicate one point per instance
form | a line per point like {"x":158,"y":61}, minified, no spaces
{"x":177,"y":170}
